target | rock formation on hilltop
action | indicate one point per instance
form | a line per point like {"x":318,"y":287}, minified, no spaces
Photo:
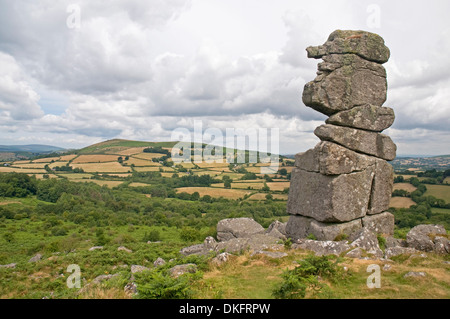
{"x":344,"y":183}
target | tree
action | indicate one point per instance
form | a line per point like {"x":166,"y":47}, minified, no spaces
{"x":227,"y":184}
{"x":399,"y":179}
{"x":195,"y":196}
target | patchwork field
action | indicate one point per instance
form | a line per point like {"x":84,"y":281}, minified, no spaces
{"x":262,"y":196}
{"x":59,"y":163}
{"x":215,"y":192}
{"x":405,"y":186}
{"x":111,"y":167}
{"x":148,"y":156}
{"x":140,"y":162}
{"x":401,"y":202}
{"x":109,"y":184}
{"x":30,"y":165}
{"x":97,"y":158}
{"x":46,"y":160}
{"x":439,"y":191}
{"x":131,"y":151}
{"x":4,"y":169}
{"x":68,"y":157}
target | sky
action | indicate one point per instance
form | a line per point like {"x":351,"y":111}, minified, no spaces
{"x":74,"y":73}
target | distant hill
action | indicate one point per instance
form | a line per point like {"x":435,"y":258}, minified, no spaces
{"x":31,"y":148}
{"x":19,"y":152}
{"x":120,"y":144}
{"x":441,"y":162}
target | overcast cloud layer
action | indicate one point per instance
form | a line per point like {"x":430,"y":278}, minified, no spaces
{"x":139,"y":69}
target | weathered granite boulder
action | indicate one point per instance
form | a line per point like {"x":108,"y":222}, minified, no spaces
{"x":256,"y":242}
{"x":330,"y":158}
{"x":422,"y":237}
{"x":397,"y":250}
{"x":298,"y":227}
{"x":221,"y":259}
{"x":125,"y":249}
{"x":198,"y":249}
{"x":95,"y":248}
{"x":365,"y":117}
{"x":369,"y":46}
{"x":415,"y":274}
{"x":138,"y":268}
{"x":179,"y":270}
{"x":277,"y":229}
{"x":332,"y":231}
{"x":323,"y":247}
{"x":330,"y":198}
{"x":441,"y":245}
{"x":383,"y":183}
{"x":237,"y":228}
{"x":159,"y":262}
{"x":371,"y":143}
{"x":380,"y":224}
{"x":368,"y":241}
{"x":345,"y":81}
{"x":35,"y":258}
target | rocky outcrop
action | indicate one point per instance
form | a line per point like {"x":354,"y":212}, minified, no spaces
{"x":362,"y":243}
{"x":179,"y":270}
{"x":239,"y":235}
{"x":237,"y":228}
{"x":35,"y":258}
{"x":344,"y":183}
{"x":428,"y":238}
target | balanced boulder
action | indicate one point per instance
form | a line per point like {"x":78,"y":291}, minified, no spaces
{"x":344,"y":183}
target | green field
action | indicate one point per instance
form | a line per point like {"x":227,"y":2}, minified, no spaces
{"x":439,"y":191}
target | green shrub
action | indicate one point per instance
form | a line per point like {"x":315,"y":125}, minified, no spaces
{"x":189,"y":234}
{"x":153,"y":235}
{"x":160,"y":285}
{"x":298,"y":281}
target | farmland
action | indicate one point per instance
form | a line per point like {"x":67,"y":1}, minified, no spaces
{"x":126,"y":193}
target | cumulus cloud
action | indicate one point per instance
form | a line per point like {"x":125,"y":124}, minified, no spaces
{"x":138,"y":70}
{"x":18,"y":100}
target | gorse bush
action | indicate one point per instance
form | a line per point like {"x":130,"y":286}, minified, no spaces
{"x":305,"y":277}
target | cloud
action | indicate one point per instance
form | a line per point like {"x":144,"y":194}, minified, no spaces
{"x":18,"y":100}
{"x":138,"y":70}
{"x":110,"y":51}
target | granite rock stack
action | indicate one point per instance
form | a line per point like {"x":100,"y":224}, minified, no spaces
{"x":345,"y":183}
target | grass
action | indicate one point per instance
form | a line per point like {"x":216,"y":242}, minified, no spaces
{"x":140,"y":162}
{"x":215,"y":192}
{"x":58,"y":163}
{"x":401,"y":202}
{"x":71,"y":176}
{"x":46,"y":160}
{"x":68,"y":157}
{"x":111,"y":167}
{"x":95,"y":159}
{"x":148,"y":156}
{"x":22,"y":170}
{"x":132,"y":151}
{"x":440,"y":210}
{"x":255,"y":277}
{"x":406,"y":186}
{"x":262,"y":196}
{"x":109,"y":184}
{"x":439,"y":191}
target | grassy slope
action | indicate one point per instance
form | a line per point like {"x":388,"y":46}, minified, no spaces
{"x":100,"y":147}
{"x":256,"y":277}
